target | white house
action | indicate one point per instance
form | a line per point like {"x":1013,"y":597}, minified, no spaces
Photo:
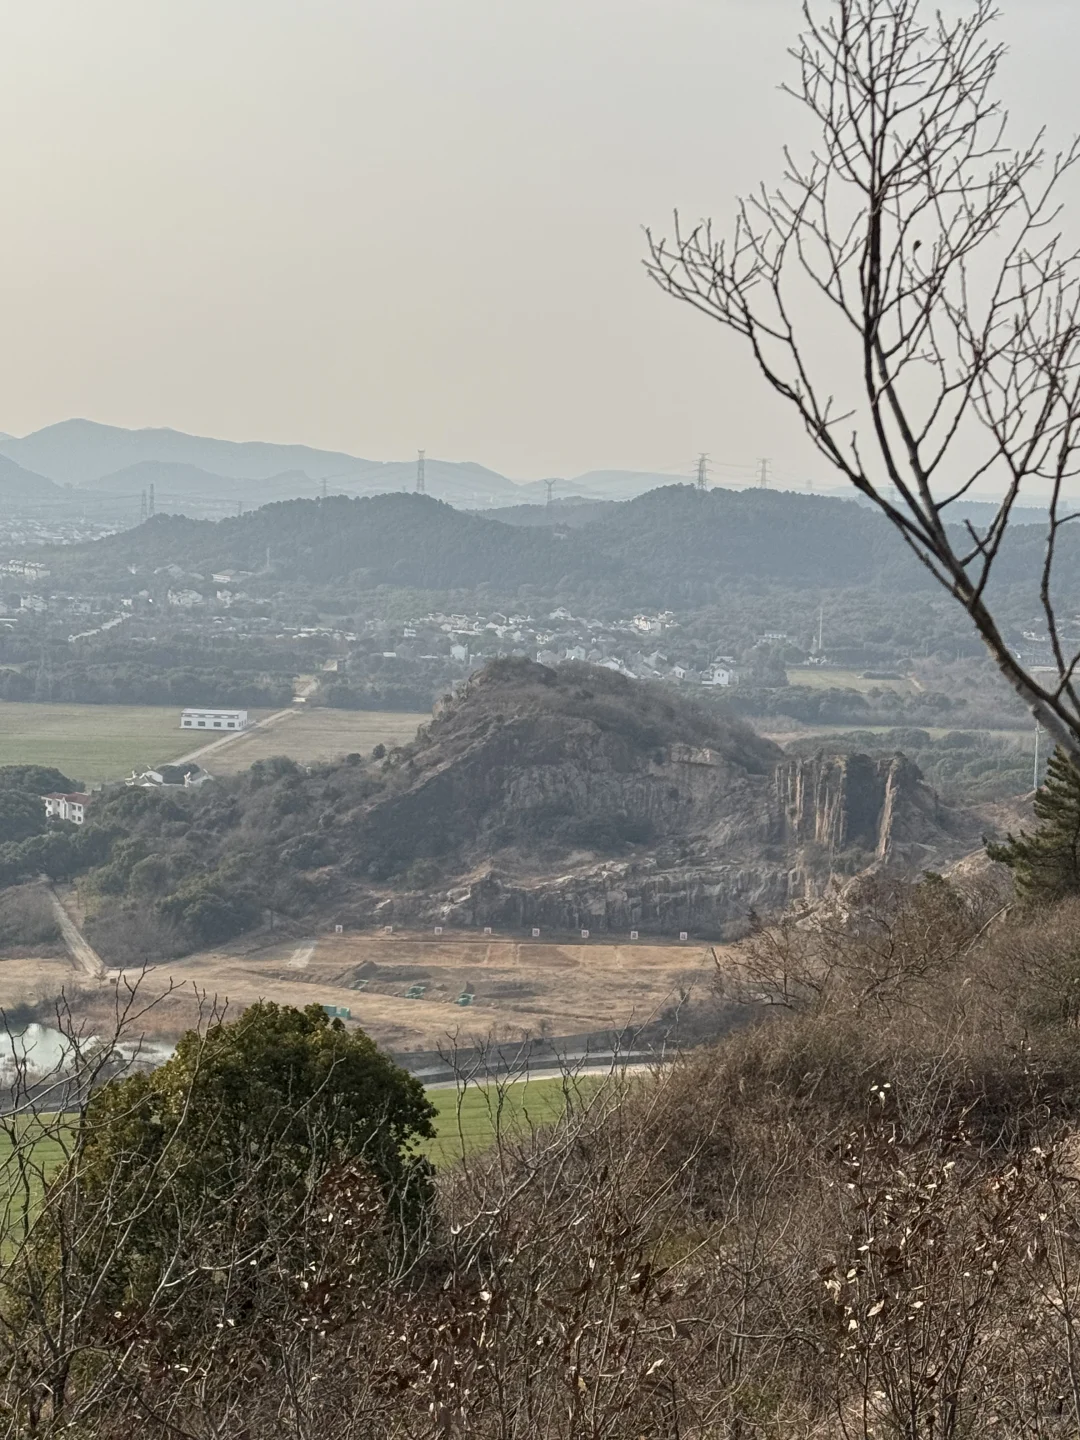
{"x":66,"y":807}
{"x":214,"y":720}
{"x":717,"y":674}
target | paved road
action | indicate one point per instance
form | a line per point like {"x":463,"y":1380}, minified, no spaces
{"x":79,"y":948}
{"x":552,"y":1070}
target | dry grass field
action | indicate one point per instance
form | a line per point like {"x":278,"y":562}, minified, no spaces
{"x":313,"y":734}
{"x":91,"y":743}
{"x":518,"y":986}
{"x":96,"y":744}
{"x":816,"y":677}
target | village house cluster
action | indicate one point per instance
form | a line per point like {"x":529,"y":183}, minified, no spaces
{"x":636,"y":646}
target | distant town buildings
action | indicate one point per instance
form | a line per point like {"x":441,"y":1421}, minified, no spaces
{"x":719,"y":674}
{"x":28,"y":569}
{"x":184,"y":599}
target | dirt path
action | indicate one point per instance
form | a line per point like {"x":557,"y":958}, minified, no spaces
{"x":302,"y":957}
{"x":223,"y":740}
{"x":79,"y":948}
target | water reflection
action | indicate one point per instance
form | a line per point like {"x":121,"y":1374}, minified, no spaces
{"x":43,"y":1050}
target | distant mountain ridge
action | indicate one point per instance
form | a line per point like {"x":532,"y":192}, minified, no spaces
{"x":84,"y":464}
{"x":111,"y":460}
{"x":649,"y":549}
{"x":20,"y":485}
{"x":667,"y":549}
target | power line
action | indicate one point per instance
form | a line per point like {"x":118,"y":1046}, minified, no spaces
{"x":703,"y":472}
{"x":763,"y":474}
{"x":420,"y":458}
{"x":142,"y":510}
{"x":152,"y":497}
{"x":549,"y":485}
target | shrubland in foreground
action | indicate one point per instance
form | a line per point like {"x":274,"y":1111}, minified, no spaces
{"x":857,"y":1217}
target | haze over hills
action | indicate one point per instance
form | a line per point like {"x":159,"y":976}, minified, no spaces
{"x":100,"y":470}
{"x":20,"y":485}
{"x":111,"y":461}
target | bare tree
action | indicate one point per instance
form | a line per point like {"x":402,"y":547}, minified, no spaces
{"x":935,"y":242}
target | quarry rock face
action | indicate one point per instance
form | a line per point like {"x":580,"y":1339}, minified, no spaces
{"x":880,"y":805}
{"x":574,"y":802}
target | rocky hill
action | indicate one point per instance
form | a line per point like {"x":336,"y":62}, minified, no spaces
{"x":713,"y":821}
{"x":566,"y":799}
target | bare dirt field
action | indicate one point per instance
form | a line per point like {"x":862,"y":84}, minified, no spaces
{"x":308,"y":735}
{"x":518,"y":986}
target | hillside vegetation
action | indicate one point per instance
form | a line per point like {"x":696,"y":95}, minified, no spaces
{"x":857,"y":1219}
{"x":672,"y":538}
{"x":188,"y":868}
{"x":673,"y":545}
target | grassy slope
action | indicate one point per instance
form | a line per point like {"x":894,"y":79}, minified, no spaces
{"x":319,"y":734}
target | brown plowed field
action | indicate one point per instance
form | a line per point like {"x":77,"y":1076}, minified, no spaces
{"x":518,"y":986}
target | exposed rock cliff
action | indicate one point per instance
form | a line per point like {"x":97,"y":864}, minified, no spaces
{"x":576,"y":799}
{"x":880,"y":806}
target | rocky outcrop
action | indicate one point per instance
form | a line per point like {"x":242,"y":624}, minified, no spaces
{"x":578,"y":800}
{"x":878,"y":805}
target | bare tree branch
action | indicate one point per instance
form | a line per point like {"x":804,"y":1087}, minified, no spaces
{"x":935,"y":243}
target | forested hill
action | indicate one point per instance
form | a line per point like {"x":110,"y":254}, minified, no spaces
{"x":670,"y":546}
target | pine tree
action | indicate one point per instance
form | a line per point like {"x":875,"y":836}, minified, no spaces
{"x":1046,"y":865}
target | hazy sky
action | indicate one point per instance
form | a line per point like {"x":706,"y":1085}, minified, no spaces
{"x":384,"y":224}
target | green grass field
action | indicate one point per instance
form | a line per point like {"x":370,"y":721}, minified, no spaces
{"x":467,"y":1123}
{"x":97,"y":743}
{"x":814,"y":677}
{"x":470,"y":1119}
{"x":92,"y":743}
{"x":25,"y":1169}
